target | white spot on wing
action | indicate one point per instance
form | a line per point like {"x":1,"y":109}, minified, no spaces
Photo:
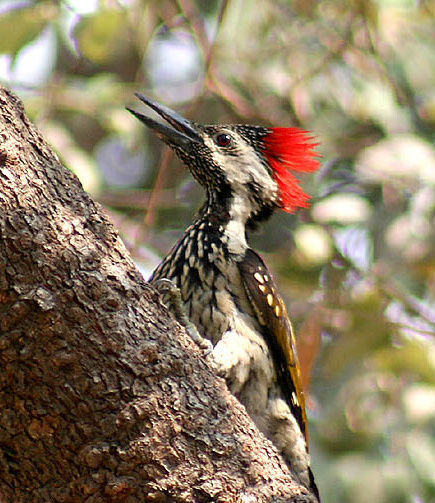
{"x":259,"y":277}
{"x":295,"y":399}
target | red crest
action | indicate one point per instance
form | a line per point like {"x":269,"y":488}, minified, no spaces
{"x":288,"y":150}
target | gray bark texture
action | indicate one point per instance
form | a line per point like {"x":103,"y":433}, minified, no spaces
{"x":103,"y":397}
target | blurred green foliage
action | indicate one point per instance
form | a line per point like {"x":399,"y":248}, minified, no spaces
{"x":357,"y":268}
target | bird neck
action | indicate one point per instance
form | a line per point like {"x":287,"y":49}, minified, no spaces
{"x":227,"y":214}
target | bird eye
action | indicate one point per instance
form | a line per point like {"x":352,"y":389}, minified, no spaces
{"x":223,"y":140}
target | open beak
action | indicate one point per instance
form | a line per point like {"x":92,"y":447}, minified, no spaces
{"x":182,"y":133}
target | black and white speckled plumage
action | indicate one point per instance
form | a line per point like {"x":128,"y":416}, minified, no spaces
{"x":227,"y":291}
{"x":213,"y":289}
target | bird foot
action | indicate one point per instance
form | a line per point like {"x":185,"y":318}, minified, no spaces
{"x":175,"y":303}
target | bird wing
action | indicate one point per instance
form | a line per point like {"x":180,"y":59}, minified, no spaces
{"x":271,"y":313}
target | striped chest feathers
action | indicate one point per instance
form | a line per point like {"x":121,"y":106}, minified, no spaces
{"x":208,"y":276}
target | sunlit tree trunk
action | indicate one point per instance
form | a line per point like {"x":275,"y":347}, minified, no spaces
{"x":103,"y":397}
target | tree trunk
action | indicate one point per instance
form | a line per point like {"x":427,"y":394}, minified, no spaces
{"x":103,"y":397}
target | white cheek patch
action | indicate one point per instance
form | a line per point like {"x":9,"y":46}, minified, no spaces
{"x":243,"y":172}
{"x":243,"y":169}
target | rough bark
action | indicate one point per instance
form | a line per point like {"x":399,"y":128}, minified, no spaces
{"x":103,"y":397}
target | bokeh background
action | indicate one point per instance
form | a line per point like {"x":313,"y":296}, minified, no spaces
{"x":357,"y":267}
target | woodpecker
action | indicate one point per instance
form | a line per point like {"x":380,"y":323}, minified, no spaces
{"x":225,"y":286}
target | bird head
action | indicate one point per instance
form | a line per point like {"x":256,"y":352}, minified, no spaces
{"x":250,"y":167}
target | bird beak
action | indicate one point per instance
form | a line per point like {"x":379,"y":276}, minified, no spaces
{"x":182,"y":133}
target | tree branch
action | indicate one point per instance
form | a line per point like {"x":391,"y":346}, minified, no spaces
{"x":103,"y":397}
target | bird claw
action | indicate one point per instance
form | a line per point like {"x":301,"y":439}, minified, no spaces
{"x":199,"y":340}
{"x":164,"y":285}
{"x":167,"y":287}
